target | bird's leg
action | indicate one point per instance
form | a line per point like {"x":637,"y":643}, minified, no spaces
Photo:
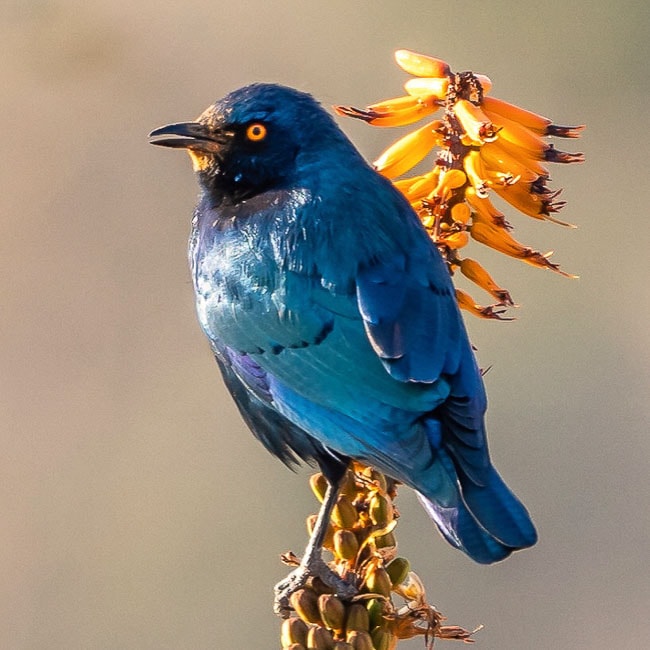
{"x":312,"y":563}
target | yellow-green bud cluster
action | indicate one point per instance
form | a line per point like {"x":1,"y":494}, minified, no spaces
{"x":361,"y":540}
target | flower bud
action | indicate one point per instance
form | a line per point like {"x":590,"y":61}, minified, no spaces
{"x":377,"y":581}
{"x":294,"y":630}
{"x":380,"y":510}
{"x":456,"y":240}
{"x":344,"y":514}
{"x":305,"y":602}
{"x":398,"y":570}
{"x":453,"y":179}
{"x":360,"y":640}
{"x":427,"y":87}
{"x":421,"y":65}
{"x":460,"y":212}
{"x":318,"y":484}
{"x":409,"y":150}
{"x":382,"y":639}
{"x":332,"y":612}
{"x":346,"y":545}
{"x":357,"y":619}
{"x":318,"y":638}
{"x":375,"y":607}
{"x":472,"y":270}
{"x":386,"y":541}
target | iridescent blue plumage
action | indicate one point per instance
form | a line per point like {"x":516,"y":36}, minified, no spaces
{"x":332,"y":315}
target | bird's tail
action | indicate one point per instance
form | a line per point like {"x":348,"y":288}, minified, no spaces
{"x":484,"y":518}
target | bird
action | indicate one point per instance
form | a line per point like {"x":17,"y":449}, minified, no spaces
{"x":332,"y":317}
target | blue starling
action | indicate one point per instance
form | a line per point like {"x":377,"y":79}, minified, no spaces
{"x":333,"y":318}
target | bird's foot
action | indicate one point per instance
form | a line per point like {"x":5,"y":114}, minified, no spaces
{"x":317,"y":568}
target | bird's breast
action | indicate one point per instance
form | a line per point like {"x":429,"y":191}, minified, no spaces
{"x":247,"y":296}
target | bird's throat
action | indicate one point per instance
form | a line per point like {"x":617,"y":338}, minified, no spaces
{"x":200,"y":160}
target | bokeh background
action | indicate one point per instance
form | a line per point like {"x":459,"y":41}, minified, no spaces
{"x":136,"y":510}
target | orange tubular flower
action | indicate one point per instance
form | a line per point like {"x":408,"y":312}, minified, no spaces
{"x":400,"y":111}
{"x":484,"y":146}
{"x":409,"y":150}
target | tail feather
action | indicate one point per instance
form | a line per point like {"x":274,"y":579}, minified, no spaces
{"x":462,"y":531}
{"x":499,"y":511}
{"x":487,"y":522}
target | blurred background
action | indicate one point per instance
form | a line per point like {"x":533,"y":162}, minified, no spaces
{"x":137,"y":511}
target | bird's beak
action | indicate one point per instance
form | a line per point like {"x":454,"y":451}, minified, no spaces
{"x":190,"y":135}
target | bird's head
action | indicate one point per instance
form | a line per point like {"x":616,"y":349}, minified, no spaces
{"x":259,"y":137}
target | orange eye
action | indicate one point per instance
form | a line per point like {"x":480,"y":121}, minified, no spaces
{"x":256,"y":132}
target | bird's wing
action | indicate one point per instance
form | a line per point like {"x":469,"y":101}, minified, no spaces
{"x":408,"y":306}
{"x":410,"y":314}
{"x":413,"y":323}
{"x":249,"y":386}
